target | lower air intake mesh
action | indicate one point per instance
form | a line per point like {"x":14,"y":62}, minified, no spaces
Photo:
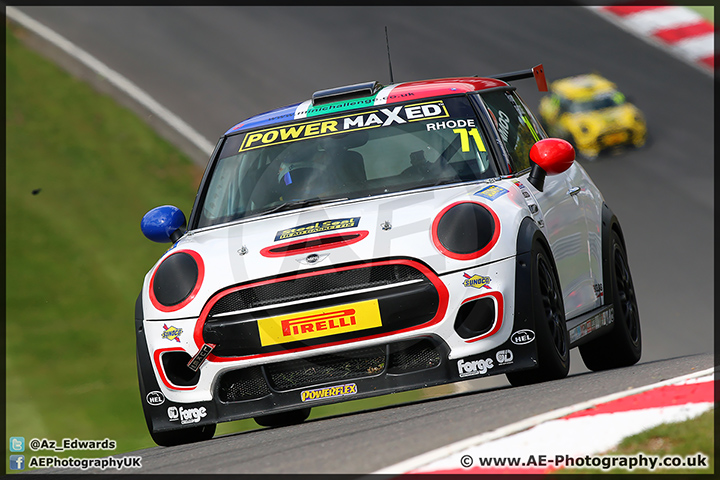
{"x":243,"y":384}
{"x":326,"y":368}
{"x":413,"y":355}
{"x":395,"y":358}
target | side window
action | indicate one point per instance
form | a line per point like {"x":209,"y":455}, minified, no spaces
{"x":515,"y":125}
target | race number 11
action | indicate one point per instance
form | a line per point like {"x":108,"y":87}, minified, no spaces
{"x":465,"y":140}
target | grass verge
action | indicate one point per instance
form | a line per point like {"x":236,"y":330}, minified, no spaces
{"x":80,"y":174}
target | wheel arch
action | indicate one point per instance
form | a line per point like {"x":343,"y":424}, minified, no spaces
{"x":530,"y":241}
{"x":528,"y":235}
{"x":610,"y":223}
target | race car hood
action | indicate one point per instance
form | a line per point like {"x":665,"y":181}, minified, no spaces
{"x":324,"y":236}
{"x":601,"y":121}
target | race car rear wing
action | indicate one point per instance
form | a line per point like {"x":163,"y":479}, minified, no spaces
{"x":537,"y":72}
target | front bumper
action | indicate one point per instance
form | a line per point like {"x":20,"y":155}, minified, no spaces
{"x":417,"y":350}
{"x":359,"y":373}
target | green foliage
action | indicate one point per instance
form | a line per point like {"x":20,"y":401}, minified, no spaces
{"x":80,"y":174}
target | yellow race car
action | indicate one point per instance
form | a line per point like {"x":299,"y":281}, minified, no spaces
{"x":590,"y":112}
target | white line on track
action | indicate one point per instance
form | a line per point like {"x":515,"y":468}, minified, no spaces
{"x":129,"y":88}
{"x":442,"y":452}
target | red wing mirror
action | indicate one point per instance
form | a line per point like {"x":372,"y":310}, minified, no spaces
{"x":549,"y":156}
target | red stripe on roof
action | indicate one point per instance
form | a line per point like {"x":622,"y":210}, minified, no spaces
{"x":625,"y":10}
{"x":672,"y":35}
{"x":660,"y":397}
{"x":440,"y":86}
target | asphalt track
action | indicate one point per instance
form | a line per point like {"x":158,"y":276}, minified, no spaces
{"x":214,"y":66}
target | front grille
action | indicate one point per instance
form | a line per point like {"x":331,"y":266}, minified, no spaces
{"x":326,"y":368}
{"x":299,"y":288}
{"x":615,"y":137}
{"x":396,"y":358}
{"x":243,"y":384}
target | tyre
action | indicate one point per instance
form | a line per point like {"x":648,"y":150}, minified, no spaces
{"x":553,"y":340}
{"x":622,"y":346}
{"x":283,"y":419}
{"x":186,"y":435}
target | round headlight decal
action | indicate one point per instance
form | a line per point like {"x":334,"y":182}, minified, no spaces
{"x":176,"y":280}
{"x":465,"y":230}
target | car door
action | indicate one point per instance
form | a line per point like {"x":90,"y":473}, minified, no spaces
{"x":563,"y":212}
{"x":558,"y":207}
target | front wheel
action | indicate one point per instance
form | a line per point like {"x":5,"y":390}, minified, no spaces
{"x":622,"y":346}
{"x":550,"y":329}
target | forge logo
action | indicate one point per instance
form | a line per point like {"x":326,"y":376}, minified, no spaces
{"x":474,"y":367}
{"x":186,"y":415}
{"x":319,"y":323}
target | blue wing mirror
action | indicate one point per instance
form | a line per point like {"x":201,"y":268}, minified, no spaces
{"x":165,"y":224}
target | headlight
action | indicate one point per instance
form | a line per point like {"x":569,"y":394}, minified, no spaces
{"x":176,"y":280}
{"x":465,"y":230}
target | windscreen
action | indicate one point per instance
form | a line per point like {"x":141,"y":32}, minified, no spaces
{"x":350,"y":155}
{"x":606,"y":100}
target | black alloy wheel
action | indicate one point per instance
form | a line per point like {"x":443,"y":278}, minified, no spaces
{"x":622,"y":346}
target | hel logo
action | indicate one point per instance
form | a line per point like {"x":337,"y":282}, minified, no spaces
{"x":155,"y":398}
{"x":319,"y":323}
{"x":521,"y":337}
{"x":328,"y":392}
{"x":172,"y":333}
{"x":477,"y":281}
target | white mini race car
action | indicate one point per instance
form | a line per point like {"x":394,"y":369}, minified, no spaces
{"x":375,"y":239}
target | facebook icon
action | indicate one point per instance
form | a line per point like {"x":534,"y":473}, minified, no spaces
{"x":17,"y":462}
